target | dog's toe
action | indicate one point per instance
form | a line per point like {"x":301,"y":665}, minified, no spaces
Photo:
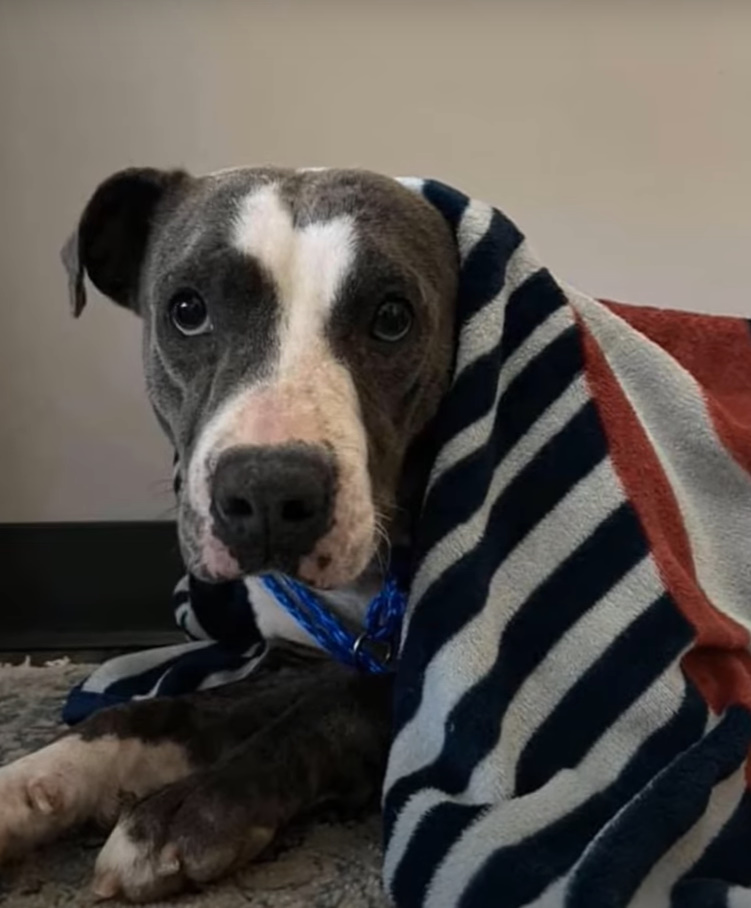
{"x":204,"y":859}
{"x":136,"y":869}
{"x":45,"y":795}
{"x":187,"y":833}
{"x":34,"y":806}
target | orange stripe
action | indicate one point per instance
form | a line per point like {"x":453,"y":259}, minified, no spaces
{"x":716,"y":350}
{"x":718,"y":664}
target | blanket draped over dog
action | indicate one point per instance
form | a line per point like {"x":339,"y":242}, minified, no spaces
{"x":573,"y":693}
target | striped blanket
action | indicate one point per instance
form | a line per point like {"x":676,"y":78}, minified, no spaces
{"x":573,"y":691}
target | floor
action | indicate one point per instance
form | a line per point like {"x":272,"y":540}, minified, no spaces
{"x":325,"y":865}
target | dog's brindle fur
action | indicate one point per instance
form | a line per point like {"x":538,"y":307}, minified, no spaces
{"x":292,"y":266}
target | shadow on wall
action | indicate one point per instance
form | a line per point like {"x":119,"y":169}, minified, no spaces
{"x":616,"y":134}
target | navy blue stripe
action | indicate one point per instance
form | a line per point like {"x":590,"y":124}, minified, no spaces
{"x":181,"y":674}
{"x":545,"y":480}
{"x":141,"y":683}
{"x":615,"y":547}
{"x":483,"y":272}
{"x":412,"y":876}
{"x":531,"y":304}
{"x":632,"y":662}
{"x":463,"y":487}
{"x":728,"y":855}
{"x":80,"y":704}
{"x":701,"y":894}
{"x":180,"y":597}
{"x":449,"y":201}
{"x":619,"y":860}
{"x":521,"y":872}
{"x":182,"y":623}
{"x":224,"y":611}
{"x":578,"y":584}
{"x":188,"y":673}
{"x":485,"y":266}
{"x":559,"y":465}
{"x":473,"y":392}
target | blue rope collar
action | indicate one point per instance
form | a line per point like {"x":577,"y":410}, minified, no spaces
{"x":371,"y":650}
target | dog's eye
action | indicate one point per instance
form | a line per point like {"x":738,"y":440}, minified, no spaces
{"x":189,"y":313}
{"x":392,"y":321}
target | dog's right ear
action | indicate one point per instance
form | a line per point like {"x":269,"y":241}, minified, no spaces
{"x":110,"y":241}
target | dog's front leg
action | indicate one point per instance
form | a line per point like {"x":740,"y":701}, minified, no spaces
{"x":84,"y":775}
{"x":127,"y":752}
{"x":330,"y":745}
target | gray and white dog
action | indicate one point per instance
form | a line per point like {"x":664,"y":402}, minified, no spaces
{"x":297,"y":338}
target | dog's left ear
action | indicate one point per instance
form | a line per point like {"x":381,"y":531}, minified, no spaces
{"x":110,"y":241}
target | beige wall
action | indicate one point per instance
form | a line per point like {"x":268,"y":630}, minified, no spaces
{"x":617,"y":134}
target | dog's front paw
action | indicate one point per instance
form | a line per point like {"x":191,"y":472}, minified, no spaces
{"x":191,"y":832}
{"x":29,"y":804}
{"x":39,"y":797}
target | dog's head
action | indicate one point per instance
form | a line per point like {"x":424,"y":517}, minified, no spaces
{"x":297,"y":338}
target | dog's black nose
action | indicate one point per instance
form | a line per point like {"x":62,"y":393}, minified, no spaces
{"x":272,"y":504}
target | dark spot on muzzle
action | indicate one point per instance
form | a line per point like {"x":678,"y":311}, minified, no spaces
{"x":272,"y":504}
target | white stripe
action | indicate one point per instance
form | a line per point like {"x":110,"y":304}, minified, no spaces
{"x":153,"y":690}
{"x":563,"y":666}
{"x":465,"y":535}
{"x":739,"y":897}
{"x":231,"y":675}
{"x":483,"y":331}
{"x":473,"y":227}
{"x":712,"y":489}
{"x":553,"y":896}
{"x":415,"y":184}
{"x":674,"y":863}
{"x":512,"y":821}
{"x":475,"y":435}
{"x":187,"y":620}
{"x":132,"y":665}
{"x":468,"y":656}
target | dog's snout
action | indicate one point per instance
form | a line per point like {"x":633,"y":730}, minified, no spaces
{"x":272,"y":504}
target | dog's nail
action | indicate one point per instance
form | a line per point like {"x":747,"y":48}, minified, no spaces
{"x":105,"y":886}
{"x":260,"y":837}
{"x":169,"y":861}
{"x":43,"y":797}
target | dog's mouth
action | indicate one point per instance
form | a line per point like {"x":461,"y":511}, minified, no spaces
{"x":297,"y":508}
{"x":327,"y":566}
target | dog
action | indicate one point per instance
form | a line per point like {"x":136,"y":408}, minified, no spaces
{"x":298,"y":334}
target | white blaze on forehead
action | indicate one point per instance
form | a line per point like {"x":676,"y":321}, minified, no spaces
{"x":307,"y":264}
{"x":307,"y":395}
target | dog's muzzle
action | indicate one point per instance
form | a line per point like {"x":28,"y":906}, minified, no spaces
{"x":271,"y":504}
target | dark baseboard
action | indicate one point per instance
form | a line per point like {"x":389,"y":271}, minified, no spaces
{"x":70,"y":586}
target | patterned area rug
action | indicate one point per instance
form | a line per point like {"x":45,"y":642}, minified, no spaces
{"x":323,"y":865}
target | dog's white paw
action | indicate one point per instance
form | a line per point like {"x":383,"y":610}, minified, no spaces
{"x":184,"y":834}
{"x":38,"y":798}
{"x":134,"y":870}
{"x":77,"y":779}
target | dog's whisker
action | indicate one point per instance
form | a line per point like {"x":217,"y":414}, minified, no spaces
{"x":161,"y":486}
{"x":383,"y":550}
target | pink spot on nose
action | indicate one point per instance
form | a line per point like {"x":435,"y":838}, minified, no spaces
{"x":274,"y":417}
{"x":218,"y":561}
